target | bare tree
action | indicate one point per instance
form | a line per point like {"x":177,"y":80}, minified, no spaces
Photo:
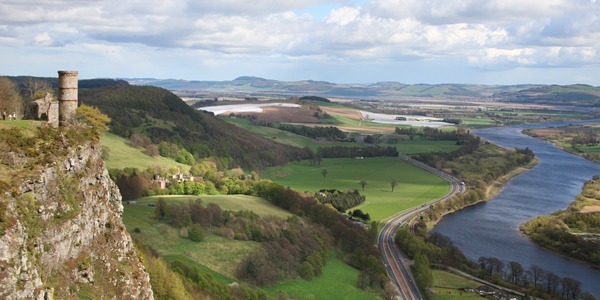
{"x":36,"y":88}
{"x":536,"y":273}
{"x":10,"y":99}
{"x":516,"y":272}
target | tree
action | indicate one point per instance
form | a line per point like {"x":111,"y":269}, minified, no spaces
{"x":363,"y":183}
{"x":516,"y":272}
{"x":422,"y":272}
{"x":536,"y":273}
{"x":394,"y":184}
{"x":10,"y":99}
{"x":36,"y":88}
{"x":324,"y":173}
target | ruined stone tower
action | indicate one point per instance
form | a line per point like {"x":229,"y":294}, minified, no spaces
{"x":67,"y":96}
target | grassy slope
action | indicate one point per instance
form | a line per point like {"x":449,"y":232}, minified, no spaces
{"x":338,"y":281}
{"x":219,"y":257}
{"x":284,"y":137}
{"x":415,"y":186}
{"x":446,"y":286}
{"x":216,"y":253}
{"x":122,"y":155}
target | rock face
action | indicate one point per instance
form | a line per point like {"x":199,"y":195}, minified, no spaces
{"x":63,"y":236}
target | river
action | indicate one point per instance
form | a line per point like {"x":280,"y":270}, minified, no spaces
{"x":491,"y":229}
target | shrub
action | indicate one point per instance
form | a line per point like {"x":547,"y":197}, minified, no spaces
{"x":196,"y":233}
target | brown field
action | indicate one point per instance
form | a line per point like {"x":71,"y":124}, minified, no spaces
{"x":348,"y":113}
{"x":285,"y":115}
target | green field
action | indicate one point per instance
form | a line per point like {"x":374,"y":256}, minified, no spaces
{"x":446,"y":286}
{"x":338,"y":281}
{"x":415,"y":186}
{"x":121,"y":155}
{"x":216,"y":253}
{"x":478,"y":122}
{"x":16,"y":123}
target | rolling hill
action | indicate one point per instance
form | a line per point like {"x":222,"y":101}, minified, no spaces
{"x":162,"y":116}
{"x":577,"y":94}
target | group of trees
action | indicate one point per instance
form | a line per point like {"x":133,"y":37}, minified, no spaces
{"x":340,"y":200}
{"x":359,"y":214}
{"x":356,"y":243}
{"x":439,"y":250}
{"x":10,"y":98}
{"x":535,"y":278}
{"x":289,"y":248}
{"x":587,"y":138}
{"x":433,"y":134}
{"x":134,"y":183}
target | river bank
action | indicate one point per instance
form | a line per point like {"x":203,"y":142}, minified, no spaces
{"x":581,"y":140}
{"x":573,"y":232}
{"x":491,"y":190}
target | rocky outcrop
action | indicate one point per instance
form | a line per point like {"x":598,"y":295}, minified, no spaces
{"x":63,"y":237}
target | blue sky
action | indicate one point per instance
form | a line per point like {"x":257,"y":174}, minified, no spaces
{"x":343,"y":41}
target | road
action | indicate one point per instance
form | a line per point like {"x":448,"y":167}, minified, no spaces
{"x":396,"y":263}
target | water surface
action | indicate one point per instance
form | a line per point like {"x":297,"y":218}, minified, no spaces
{"x":492,"y":228}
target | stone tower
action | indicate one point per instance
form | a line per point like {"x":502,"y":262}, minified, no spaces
{"x":67,"y":96}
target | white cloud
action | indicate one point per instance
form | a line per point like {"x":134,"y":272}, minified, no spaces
{"x":343,"y":16}
{"x":485,"y":34}
{"x":43,"y":39}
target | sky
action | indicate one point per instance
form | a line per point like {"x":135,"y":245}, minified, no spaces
{"x":340,"y":41}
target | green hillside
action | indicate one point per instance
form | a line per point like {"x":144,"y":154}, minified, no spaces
{"x":162,"y":116}
{"x":121,"y":155}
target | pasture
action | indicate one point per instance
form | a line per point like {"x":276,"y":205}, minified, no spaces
{"x":338,"y":281}
{"x":216,"y":253}
{"x":414,"y":188}
{"x":285,"y":137}
{"x":447,"y":286}
{"x":121,"y":155}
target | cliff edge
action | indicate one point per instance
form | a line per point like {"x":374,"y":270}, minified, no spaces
{"x":61,"y":233}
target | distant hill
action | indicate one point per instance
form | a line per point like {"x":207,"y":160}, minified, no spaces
{"x":163,"y":116}
{"x":579,"y":94}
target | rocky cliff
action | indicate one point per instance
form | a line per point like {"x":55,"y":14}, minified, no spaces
{"x":62,"y":236}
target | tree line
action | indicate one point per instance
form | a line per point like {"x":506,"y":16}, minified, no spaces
{"x":433,"y":134}
{"x":431,"y":249}
{"x":330,"y":133}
